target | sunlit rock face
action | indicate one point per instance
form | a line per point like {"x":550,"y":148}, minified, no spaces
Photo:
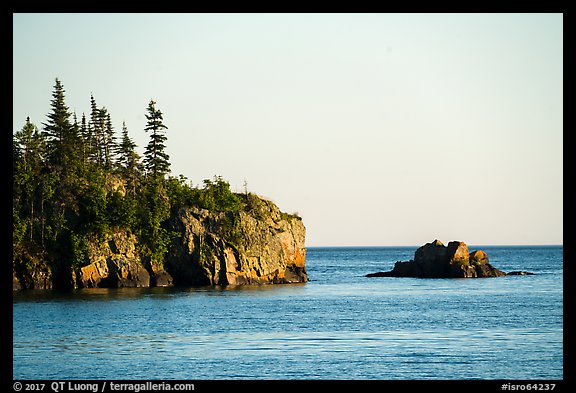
{"x":236,"y":248}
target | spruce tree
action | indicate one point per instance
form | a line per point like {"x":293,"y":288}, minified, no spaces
{"x":128,"y":159}
{"x":127,"y":156}
{"x":108,"y":138}
{"x":58,"y":130}
{"x":86,"y":142}
{"x":155,"y":158}
{"x":62,"y":181}
{"x":95,"y":128}
{"x":84,"y":127}
{"x":29,"y":145}
{"x":155,"y":204}
{"x":78,"y":141}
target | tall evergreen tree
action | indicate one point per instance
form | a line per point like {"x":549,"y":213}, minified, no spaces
{"x":58,"y":130}
{"x":62,"y":181}
{"x":84,"y":127}
{"x":155,"y":157}
{"x":95,"y":128}
{"x":155,"y":204}
{"x":128,"y":159}
{"x":30,"y":146}
{"x":85,"y":136}
{"x":108,"y":138}
{"x":126,"y":150}
{"x":78,"y":140}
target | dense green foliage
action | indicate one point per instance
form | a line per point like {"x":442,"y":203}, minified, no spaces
{"x":75,"y":181}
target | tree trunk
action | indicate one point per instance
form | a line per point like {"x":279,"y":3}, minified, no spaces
{"x":31,"y":217}
{"x":42,"y":221}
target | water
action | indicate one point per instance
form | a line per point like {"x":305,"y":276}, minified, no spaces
{"x":340,"y":325}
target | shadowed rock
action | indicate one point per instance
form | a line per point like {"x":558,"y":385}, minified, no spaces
{"x":115,"y":262}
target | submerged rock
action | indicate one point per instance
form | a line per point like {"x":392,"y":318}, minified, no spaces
{"x":520,"y":273}
{"x":435,"y":260}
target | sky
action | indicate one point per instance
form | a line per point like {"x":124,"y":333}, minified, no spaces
{"x":377,"y":129}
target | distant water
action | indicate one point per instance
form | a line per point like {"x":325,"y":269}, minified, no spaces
{"x":340,"y":325}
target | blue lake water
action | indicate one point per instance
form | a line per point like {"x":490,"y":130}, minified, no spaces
{"x":340,"y":325}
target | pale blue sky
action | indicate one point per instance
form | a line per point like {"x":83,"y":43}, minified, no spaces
{"x":379,"y":129}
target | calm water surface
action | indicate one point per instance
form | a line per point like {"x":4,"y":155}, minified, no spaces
{"x":340,"y":325}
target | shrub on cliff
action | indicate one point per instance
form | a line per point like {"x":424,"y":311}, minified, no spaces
{"x":217,"y":196}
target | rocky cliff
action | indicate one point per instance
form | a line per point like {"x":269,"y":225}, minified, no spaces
{"x":262,"y":246}
{"x":114,"y":263}
{"x":435,"y":260}
{"x":237,"y":248}
{"x":32,"y":272}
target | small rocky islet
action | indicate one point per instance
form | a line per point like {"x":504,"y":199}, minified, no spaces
{"x":435,"y":260}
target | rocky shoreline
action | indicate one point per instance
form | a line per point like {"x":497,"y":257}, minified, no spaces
{"x":264,"y":246}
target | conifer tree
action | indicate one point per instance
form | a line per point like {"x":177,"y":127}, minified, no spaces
{"x":128,"y":159}
{"x":85,"y":135}
{"x":95,"y":132}
{"x":78,"y":143}
{"x":58,"y":129}
{"x":62,"y":181}
{"x":127,"y":156}
{"x":29,"y":144}
{"x":108,"y":138}
{"x":84,"y":127}
{"x":156,"y":206}
{"x":155,"y":158}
